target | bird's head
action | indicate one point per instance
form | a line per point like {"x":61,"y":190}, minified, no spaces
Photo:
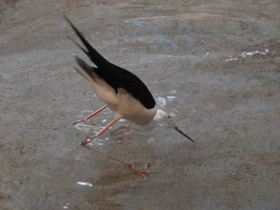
{"x":162,"y":115}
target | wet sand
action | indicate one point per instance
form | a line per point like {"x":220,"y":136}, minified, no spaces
{"x":212,"y":65}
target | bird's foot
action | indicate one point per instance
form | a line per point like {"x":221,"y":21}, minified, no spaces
{"x":78,"y":121}
{"x":83,"y":121}
{"x":122,"y":137}
{"x":122,"y":133}
{"x":122,"y":127}
{"x":142,"y":171}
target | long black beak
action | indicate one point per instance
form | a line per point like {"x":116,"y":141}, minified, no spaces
{"x":181,"y":132}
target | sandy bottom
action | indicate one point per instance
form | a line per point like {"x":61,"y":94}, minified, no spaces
{"x":212,"y":65}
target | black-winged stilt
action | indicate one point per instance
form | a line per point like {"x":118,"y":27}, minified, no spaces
{"x":122,"y":91}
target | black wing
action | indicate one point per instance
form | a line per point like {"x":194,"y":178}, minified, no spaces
{"x":115,"y":76}
{"x":118,"y":77}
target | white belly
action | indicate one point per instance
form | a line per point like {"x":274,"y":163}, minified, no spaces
{"x":123,"y":104}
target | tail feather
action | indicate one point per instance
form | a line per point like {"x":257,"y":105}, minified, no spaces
{"x":78,"y":45}
{"x":87,"y":71}
{"x":94,"y":56}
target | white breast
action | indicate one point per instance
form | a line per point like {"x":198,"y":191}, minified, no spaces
{"x":123,"y":104}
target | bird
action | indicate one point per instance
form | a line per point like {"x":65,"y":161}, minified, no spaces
{"x":121,"y":91}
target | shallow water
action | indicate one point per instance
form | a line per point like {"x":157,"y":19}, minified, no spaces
{"x":211,"y":65}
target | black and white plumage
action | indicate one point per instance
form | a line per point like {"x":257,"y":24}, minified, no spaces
{"x":122,"y":91}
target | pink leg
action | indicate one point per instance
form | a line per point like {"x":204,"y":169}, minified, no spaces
{"x":141,"y":172}
{"x":90,"y":116}
{"x":89,"y":139}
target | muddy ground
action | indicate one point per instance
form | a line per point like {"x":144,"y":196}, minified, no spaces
{"x":212,"y":65}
